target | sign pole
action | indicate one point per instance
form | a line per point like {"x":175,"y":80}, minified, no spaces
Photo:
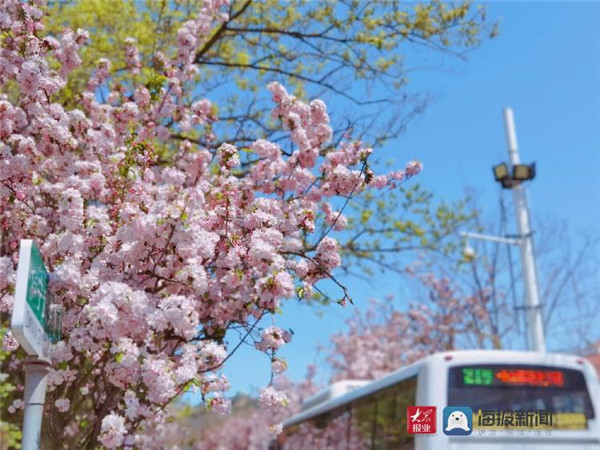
{"x":36,"y":372}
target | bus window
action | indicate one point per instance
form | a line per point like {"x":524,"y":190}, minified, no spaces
{"x":488,"y":387}
{"x":327,"y":431}
{"x":387,"y":432}
{"x":390,"y":419}
{"x":406,"y":395}
{"x":363,"y":422}
{"x":379,"y":422}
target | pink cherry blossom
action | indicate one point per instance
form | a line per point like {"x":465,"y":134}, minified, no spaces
{"x":413,"y":168}
{"x":272,"y":398}
{"x":220,"y":405}
{"x":9,"y":343}
{"x":327,"y":253}
{"x":16,"y":405}
{"x":113,"y":431}
{"x":62,"y":404}
{"x":278,"y":366}
{"x":273,"y":338}
{"x":132,"y":56}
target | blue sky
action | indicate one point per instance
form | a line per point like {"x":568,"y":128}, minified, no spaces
{"x":545,"y":64}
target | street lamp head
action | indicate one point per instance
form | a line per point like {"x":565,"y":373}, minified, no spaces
{"x":501,"y":172}
{"x":468,"y":252}
{"x":520,"y":173}
{"x":523,"y":172}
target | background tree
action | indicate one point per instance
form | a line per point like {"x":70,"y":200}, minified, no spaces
{"x":348,"y":50}
{"x":566,"y":261}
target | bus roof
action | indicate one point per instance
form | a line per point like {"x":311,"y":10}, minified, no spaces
{"x":337,"y":389}
{"x":450,"y":358}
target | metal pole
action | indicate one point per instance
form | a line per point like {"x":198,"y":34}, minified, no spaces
{"x":36,"y":371}
{"x":534,"y":309}
{"x":487,"y":237}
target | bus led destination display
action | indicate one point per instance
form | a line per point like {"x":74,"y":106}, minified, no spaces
{"x":513,"y":376}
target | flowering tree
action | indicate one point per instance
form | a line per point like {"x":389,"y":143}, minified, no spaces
{"x":156,"y":251}
{"x":384,"y":339}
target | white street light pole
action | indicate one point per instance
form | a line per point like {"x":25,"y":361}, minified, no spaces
{"x":534,"y":309}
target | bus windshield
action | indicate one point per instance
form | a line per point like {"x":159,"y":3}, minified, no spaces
{"x":490,"y":387}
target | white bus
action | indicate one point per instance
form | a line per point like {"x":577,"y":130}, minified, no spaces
{"x":357,"y":415}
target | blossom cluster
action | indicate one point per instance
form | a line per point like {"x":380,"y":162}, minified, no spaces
{"x":270,"y":397}
{"x":273,"y":338}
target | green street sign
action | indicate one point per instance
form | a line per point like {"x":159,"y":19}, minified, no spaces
{"x":28,"y":322}
{"x":37,"y":285}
